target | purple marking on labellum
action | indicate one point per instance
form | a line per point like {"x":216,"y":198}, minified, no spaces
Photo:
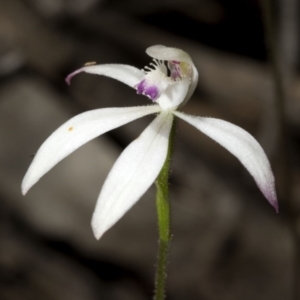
{"x":149,"y":90}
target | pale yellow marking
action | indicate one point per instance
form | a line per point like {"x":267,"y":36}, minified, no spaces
{"x":70,"y":128}
{"x":91,"y":63}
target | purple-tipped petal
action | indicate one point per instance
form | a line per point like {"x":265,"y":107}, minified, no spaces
{"x":124,"y":73}
{"x":70,"y":76}
{"x":242,"y":145}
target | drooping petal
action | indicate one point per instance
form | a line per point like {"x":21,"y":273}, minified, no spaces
{"x":176,"y":55}
{"x":76,"y":132}
{"x":124,"y":73}
{"x":133,"y":173}
{"x":241,"y":144}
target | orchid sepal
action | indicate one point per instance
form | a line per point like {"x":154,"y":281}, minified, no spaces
{"x":133,"y":173}
{"x":75,"y":133}
{"x":124,"y":73}
{"x":243,"y":146}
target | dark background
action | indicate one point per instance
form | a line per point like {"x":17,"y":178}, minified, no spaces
{"x":228,"y":242}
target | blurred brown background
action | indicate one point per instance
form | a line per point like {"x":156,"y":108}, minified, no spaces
{"x":228,"y":242}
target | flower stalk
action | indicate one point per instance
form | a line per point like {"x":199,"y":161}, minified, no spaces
{"x":163,"y":209}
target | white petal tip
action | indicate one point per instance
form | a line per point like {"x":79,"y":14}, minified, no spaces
{"x":97,"y":237}
{"x":24,"y":190}
{"x":97,"y":233}
{"x":27,"y":184}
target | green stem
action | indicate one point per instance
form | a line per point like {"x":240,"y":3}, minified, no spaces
{"x":164,"y":223}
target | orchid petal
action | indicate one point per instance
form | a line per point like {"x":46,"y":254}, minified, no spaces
{"x":242,"y":145}
{"x":124,"y":73}
{"x":133,"y":173}
{"x":76,"y":132}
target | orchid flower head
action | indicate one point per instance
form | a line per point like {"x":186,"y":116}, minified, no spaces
{"x":169,"y":81}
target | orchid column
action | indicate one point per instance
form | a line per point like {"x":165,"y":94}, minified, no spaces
{"x":169,"y":83}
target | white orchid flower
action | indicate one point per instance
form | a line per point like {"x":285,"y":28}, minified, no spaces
{"x":169,"y":82}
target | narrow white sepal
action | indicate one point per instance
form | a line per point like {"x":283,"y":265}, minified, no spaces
{"x":242,"y":145}
{"x":76,"y":132}
{"x":124,"y":73}
{"x":133,"y":173}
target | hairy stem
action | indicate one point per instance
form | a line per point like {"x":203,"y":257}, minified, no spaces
{"x":164,"y":222}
